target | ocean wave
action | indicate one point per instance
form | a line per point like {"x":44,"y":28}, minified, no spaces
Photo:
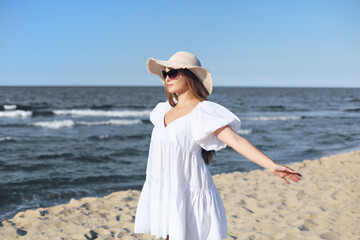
{"x":102,"y":113}
{"x":55,"y":124}
{"x":3,"y":139}
{"x":111,"y":122}
{"x":105,"y":106}
{"x":55,"y":156}
{"x":352,"y":110}
{"x":9,"y":107}
{"x":42,"y":113}
{"x":15,"y":113}
{"x":270,"y":118}
{"x":70,"y":123}
{"x":10,"y":112}
{"x":244,"y":131}
{"x":121,"y":137}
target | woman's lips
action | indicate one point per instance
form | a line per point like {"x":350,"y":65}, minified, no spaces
{"x":169,"y":85}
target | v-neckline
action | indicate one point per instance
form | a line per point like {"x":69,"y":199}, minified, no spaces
{"x":163,"y":117}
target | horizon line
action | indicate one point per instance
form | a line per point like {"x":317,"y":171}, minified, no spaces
{"x":162,"y":86}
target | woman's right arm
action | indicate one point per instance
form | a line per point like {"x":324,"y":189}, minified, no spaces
{"x":245,"y":148}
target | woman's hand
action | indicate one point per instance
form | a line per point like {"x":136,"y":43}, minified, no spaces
{"x":283,"y":171}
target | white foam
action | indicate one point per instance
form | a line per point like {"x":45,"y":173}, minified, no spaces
{"x":5,"y":139}
{"x":103,"y":136}
{"x":268,"y":118}
{"x":9,"y":107}
{"x":102,"y":113}
{"x":55,"y":124}
{"x":112,"y":122}
{"x":244,"y":131}
{"x":70,"y":123}
{"x":16,"y":113}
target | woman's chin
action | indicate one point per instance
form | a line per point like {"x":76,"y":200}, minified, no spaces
{"x":171,"y":91}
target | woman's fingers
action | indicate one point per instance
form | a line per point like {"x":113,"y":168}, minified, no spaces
{"x":289,"y":170}
{"x":284,"y":171}
{"x":286,"y":180}
{"x":291,"y":177}
{"x":298,"y":174}
{"x":294,"y":177}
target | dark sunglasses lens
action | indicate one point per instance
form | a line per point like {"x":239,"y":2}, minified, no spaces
{"x":173,"y":74}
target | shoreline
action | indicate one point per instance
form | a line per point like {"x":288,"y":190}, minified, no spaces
{"x":139,"y":187}
{"x":259,"y":205}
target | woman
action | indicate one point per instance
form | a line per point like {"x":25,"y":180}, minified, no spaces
{"x":179,"y":199}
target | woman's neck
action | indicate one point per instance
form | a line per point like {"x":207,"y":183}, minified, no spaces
{"x":185,"y":98}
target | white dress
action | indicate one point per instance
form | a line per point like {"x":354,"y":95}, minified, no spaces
{"x":179,"y":196}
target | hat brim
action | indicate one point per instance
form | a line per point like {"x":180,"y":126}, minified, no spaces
{"x":155,"y":66}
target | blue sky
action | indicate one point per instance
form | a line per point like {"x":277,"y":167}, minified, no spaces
{"x":242,"y":43}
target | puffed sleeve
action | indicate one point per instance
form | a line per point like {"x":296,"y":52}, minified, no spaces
{"x":158,"y":111}
{"x":208,"y":117}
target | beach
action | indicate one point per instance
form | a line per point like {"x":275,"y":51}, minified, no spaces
{"x":259,"y":205}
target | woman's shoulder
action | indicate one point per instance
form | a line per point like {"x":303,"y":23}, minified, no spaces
{"x":158,"y":110}
{"x":209,"y":117}
{"x":212,"y":107}
{"x":209,"y":112}
{"x":211,"y":103}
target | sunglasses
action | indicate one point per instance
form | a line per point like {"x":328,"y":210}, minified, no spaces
{"x":173,"y":74}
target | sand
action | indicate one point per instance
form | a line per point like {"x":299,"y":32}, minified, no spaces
{"x":325,"y":204}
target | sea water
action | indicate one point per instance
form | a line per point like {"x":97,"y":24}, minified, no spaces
{"x":58,"y":143}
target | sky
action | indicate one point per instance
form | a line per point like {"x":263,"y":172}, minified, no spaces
{"x":299,"y":43}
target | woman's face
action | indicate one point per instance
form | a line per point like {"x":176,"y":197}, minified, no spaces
{"x":178,"y":85}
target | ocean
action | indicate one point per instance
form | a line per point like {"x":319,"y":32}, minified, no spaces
{"x":58,"y":143}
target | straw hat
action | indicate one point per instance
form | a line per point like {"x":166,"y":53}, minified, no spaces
{"x":179,"y":60}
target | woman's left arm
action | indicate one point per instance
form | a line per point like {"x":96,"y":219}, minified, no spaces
{"x":245,"y":148}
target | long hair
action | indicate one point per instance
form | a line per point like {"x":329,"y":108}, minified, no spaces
{"x":198,"y":89}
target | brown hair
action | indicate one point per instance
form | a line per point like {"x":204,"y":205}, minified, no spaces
{"x":198,"y":89}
